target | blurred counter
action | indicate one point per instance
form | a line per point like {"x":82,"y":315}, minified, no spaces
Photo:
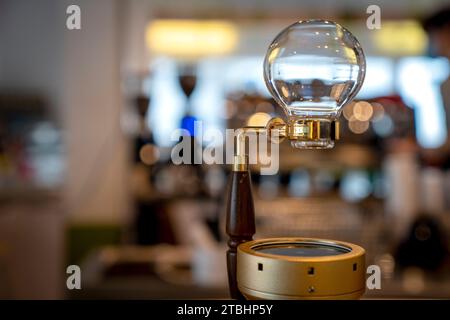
{"x":166,"y":272}
{"x":31,"y":245}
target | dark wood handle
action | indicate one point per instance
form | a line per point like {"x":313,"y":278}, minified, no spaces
{"x":240,"y":222}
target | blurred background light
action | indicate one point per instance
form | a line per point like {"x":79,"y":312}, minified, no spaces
{"x":403,"y":37}
{"x":357,"y":126}
{"x":362,"y":111}
{"x":379,"y":80}
{"x":300,"y":183}
{"x":378,"y":111}
{"x":384,"y":126}
{"x":149,"y":154}
{"x":191,"y":38}
{"x":355,"y":185}
{"x":418,"y":82}
{"x":258,"y":119}
{"x":167,"y":101}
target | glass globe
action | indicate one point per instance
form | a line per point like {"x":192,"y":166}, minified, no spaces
{"x":312,"y":69}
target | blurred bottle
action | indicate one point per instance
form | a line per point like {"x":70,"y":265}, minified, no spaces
{"x":432,"y":191}
{"x":447,"y":190}
{"x":402,"y":203}
{"x":425,"y":246}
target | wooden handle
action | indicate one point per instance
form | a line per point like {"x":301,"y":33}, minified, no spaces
{"x":240,"y":222}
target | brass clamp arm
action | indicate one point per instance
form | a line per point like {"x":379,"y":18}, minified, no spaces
{"x":303,"y":133}
{"x":240,"y":161}
{"x":275,"y":131}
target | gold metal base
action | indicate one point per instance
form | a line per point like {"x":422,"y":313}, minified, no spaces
{"x":337,"y":275}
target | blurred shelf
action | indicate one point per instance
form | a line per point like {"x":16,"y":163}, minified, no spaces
{"x":29,"y":194}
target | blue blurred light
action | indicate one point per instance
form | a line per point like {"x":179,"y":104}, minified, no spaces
{"x":379,"y":80}
{"x":299,"y":183}
{"x":355,"y":186}
{"x":418,"y":82}
{"x":188,"y":124}
{"x":167,"y":101}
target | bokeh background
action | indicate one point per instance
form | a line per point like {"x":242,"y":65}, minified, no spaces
{"x":86,"y":118}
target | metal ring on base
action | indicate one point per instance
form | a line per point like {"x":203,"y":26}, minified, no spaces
{"x":300,"y":268}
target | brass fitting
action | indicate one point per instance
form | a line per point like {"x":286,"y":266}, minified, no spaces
{"x":240,"y":162}
{"x":303,"y":133}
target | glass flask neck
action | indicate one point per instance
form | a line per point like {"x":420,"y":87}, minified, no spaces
{"x":312,"y":133}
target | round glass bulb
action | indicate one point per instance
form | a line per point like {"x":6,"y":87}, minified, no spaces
{"x":313,"y":68}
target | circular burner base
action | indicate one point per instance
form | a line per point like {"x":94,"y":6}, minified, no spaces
{"x":300,"y":268}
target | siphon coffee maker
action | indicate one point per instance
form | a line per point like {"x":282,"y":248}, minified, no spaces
{"x":312,"y":69}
